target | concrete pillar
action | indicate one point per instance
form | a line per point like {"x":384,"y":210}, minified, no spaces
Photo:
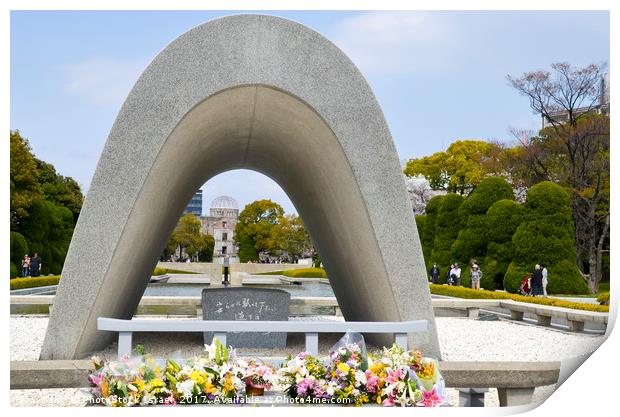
{"x":472,"y":397}
{"x":516,"y":315}
{"x":544,"y":320}
{"x":473,"y":313}
{"x":509,"y":397}
{"x":575,"y":326}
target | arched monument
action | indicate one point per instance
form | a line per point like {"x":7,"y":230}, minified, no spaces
{"x":261,"y":93}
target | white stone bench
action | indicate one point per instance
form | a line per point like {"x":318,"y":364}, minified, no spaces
{"x":472,"y":306}
{"x":126,"y":328}
{"x":576,"y":318}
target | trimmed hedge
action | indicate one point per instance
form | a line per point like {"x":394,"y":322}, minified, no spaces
{"x":13,"y":270}
{"x":446,"y":229}
{"x":495,"y":295}
{"x":299,"y":273}
{"x":21,"y":283}
{"x":161,"y":271}
{"x":603,"y":298}
{"x":473,"y":238}
{"x":546,"y":236}
{"x":158,"y":271}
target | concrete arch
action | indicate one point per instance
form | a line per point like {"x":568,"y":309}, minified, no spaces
{"x":256,"y":92}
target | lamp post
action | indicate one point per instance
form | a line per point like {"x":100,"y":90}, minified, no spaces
{"x":226,"y":271}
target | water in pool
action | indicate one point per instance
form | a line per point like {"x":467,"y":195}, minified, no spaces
{"x":307,"y":289}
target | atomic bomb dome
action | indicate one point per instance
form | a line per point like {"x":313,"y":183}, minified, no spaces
{"x":224,"y":202}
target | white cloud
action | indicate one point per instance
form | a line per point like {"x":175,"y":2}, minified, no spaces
{"x":396,"y":42}
{"x":103,"y":81}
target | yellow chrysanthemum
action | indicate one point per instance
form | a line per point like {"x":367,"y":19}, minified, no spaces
{"x":209,"y":388}
{"x":198,"y":377}
{"x":343,"y":367}
{"x":155,"y":385}
{"x":139,"y":384}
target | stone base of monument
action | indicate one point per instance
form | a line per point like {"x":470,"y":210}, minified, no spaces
{"x":239,"y":303}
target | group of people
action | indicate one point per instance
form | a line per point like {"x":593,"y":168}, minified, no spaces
{"x":538,"y":281}
{"x":31,"y":267}
{"x":453,"y":276}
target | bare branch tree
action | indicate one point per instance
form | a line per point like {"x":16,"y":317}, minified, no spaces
{"x":573,"y":151}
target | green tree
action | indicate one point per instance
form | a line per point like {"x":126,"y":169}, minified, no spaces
{"x":460,"y":168}
{"x":256,"y":225}
{"x":572,"y":151}
{"x":62,"y":191}
{"x":187,"y":234}
{"x":24,"y":188}
{"x":546,"y":236}
{"x":48,"y":230}
{"x":446,"y":229}
{"x":502,"y":220}
{"x":427,"y":236}
{"x":206,"y":243}
{"x":473,"y":238}
{"x":19,"y":248}
{"x":290,"y":236}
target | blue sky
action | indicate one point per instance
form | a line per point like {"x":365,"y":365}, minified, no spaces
{"x":439,"y":76}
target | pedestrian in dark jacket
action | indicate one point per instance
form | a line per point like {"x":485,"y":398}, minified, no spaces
{"x":537,"y":282}
{"x":434,"y":273}
{"x":35,"y":265}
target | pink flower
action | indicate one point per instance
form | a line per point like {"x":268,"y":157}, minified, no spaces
{"x":394,"y":376}
{"x":389,"y":401}
{"x":431,"y":398}
{"x":170,"y":401}
{"x":96,"y":379}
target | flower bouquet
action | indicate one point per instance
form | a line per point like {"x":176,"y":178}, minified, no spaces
{"x":209,"y":378}
{"x":129,"y":382}
{"x":346,"y":376}
{"x":258,"y":376}
{"x":408,"y":379}
{"x":303,"y":377}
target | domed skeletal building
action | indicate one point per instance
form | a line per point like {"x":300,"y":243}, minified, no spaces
{"x":220,"y":223}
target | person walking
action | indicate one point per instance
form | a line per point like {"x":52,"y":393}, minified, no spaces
{"x":544,"y":279}
{"x":455,"y":275}
{"x":35,"y":265}
{"x":434,"y":273}
{"x":449,"y":275}
{"x":537,"y":281}
{"x":474,"y":276}
{"x":26,"y":266}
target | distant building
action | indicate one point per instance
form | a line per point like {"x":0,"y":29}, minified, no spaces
{"x":601,"y":108}
{"x":220,"y":223}
{"x":195,"y":205}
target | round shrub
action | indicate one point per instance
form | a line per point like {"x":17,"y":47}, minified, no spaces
{"x":564,"y":278}
{"x":473,"y":239}
{"x":546,"y":236}
{"x":446,"y":229}
{"x":19,"y":248}
{"x":13,"y":270}
{"x":427,"y":235}
{"x":489,"y":191}
{"x":489,"y":276}
{"x":603,"y":298}
{"x":514,"y":275}
{"x":502,"y":220}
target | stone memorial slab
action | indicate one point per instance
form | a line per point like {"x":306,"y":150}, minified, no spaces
{"x":239,"y":303}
